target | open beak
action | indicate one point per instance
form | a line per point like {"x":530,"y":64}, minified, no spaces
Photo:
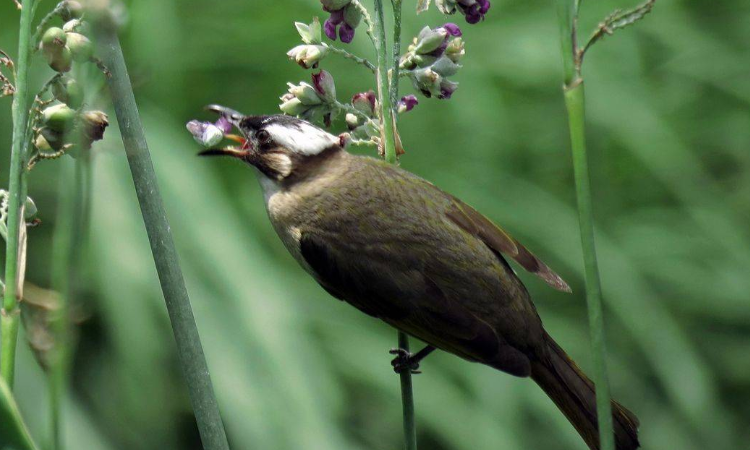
{"x":233,"y":116}
{"x":230,"y":151}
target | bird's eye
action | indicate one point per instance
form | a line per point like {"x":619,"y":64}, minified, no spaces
{"x":262,"y":136}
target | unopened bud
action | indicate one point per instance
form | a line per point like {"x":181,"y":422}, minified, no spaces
{"x":352,"y":121}
{"x":430,"y":40}
{"x":41,"y":144}
{"x":80,"y":47}
{"x":59,"y":117}
{"x":307,"y":56}
{"x":445,"y":67}
{"x":455,"y":50}
{"x":352,"y":15}
{"x":71,"y":10}
{"x":60,"y":61}
{"x":53,"y":40}
{"x":306,"y":94}
{"x":426,"y":81}
{"x":205,"y":133}
{"x":324,"y":85}
{"x":29,"y":209}
{"x":292,"y":105}
{"x":364,"y":102}
{"x":54,"y":139}
{"x":72,"y":26}
{"x":447,"y":88}
{"x":334,"y":5}
{"x":68,"y":91}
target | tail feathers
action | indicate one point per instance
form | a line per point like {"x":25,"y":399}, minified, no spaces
{"x":573,"y":392}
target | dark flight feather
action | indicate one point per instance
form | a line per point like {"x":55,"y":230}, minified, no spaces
{"x":499,"y":241}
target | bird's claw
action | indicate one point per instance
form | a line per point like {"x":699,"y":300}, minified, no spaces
{"x":404,"y":361}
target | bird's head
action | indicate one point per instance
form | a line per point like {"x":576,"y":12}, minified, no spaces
{"x":278,"y":146}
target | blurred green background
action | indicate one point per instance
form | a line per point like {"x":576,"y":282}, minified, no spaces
{"x":294,"y":369}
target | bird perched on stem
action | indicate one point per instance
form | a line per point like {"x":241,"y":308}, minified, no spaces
{"x":398,"y":248}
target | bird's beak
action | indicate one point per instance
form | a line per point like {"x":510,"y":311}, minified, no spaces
{"x":230,"y":151}
{"x":233,"y":116}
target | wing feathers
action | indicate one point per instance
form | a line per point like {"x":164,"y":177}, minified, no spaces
{"x":499,"y":241}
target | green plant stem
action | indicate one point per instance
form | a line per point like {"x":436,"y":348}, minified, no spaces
{"x":14,"y":434}
{"x":70,"y":230}
{"x":388,"y":96}
{"x":386,"y":111}
{"x":350,"y":56}
{"x":575,"y":103}
{"x":407,"y":399}
{"x":42,"y":26}
{"x":396,"y":53}
{"x":189,"y":348}
{"x":61,"y":274}
{"x":16,"y":200}
{"x":369,"y":27}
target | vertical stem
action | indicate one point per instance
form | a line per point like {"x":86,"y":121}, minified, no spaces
{"x":189,"y":347}
{"x":61,"y":271}
{"x":70,"y":231}
{"x":407,"y":399}
{"x":575,"y":103}
{"x":396,"y":53}
{"x":387,"y":135}
{"x":16,"y":200}
{"x":388,"y":96}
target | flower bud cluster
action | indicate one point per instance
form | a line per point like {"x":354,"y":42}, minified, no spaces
{"x":434,"y":56}
{"x":312,"y":52}
{"x":62,"y":46}
{"x":474,"y":10}
{"x":311,"y":102}
{"x":364,"y":124}
{"x":64,"y":127}
{"x":344,"y":19}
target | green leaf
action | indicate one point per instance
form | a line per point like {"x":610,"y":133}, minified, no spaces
{"x":13,"y":432}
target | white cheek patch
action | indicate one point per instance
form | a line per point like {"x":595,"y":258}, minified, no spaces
{"x":279,"y":163}
{"x":301,"y":138}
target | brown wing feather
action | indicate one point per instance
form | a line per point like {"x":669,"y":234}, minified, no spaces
{"x":499,"y":241}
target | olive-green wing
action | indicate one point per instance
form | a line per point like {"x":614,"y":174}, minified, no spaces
{"x":405,"y":296}
{"x":500,"y":241}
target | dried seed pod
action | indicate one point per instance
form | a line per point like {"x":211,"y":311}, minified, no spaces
{"x":94,"y":123}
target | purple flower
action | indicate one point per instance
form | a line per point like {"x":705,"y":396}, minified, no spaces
{"x":447,"y":88}
{"x":344,"y":20}
{"x":346,"y":33}
{"x":453,"y":29}
{"x":332,"y":23}
{"x":224,"y":125}
{"x":474,"y":9}
{"x":407,"y":103}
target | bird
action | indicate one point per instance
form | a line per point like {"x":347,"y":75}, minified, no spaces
{"x":398,"y":248}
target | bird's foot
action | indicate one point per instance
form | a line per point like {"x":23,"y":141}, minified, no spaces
{"x":404,"y":361}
